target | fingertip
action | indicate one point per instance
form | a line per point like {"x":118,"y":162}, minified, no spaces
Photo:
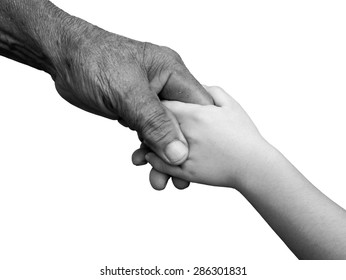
{"x":158,"y":180}
{"x":180,"y":183}
{"x":176,"y":152}
{"x":220,"y":97}
{"x":138,"y":157}
{"x":215,"y":88}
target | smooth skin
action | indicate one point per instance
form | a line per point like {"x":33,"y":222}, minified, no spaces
{"x":227,"y":150}
{"x":102,"y":72}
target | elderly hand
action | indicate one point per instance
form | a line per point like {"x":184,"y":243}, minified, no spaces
{"x":103,"y":73}
{"x":124,"y":79}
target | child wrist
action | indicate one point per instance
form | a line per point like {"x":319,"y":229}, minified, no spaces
{"x":257,"y":165}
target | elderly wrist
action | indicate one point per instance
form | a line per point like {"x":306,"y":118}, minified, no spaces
{"x":63,"y":40}
{"x":57,"y":36}
{"x":75,"y":42}
{"x":31,"y":32}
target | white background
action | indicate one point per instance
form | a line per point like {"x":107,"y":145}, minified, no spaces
{"x":70,"y":200}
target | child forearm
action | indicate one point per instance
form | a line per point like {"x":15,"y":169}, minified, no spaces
{"x":310,"y":224}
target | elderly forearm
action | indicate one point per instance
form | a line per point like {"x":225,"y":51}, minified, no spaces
{"x":35,"y":32}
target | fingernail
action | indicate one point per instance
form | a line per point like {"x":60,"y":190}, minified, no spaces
{"x":147,"y":157}
{"x":176,"y":151}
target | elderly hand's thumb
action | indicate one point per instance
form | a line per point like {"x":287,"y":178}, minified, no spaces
{"x":161,"y":132}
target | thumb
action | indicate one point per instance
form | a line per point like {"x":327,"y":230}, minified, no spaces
{"x":160,"y":130}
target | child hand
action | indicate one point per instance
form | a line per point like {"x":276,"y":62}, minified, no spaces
{"x":224,"y":143}
{"x":226,"y":149}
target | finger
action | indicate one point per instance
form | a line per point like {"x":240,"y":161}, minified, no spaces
{"x":161,"y":166}
{"x":159,"y":128}
{"x":158,"y":180}
{"x":221,"y":98}
{"x":180,"y":183}
{"x":179,"y":109}
{"x":138,"y":156}
{"x":182,"y":86}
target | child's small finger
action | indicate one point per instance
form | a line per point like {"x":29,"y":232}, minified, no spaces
{"x":155,"y":161}
{"x":160,"y":165}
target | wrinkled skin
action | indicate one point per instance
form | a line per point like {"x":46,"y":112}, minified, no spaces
{"x":124,"y":79}
{"x":117,"y":77}
{"x":102,"y":72}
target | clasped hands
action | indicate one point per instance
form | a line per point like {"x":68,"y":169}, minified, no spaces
{"x":149,"y":89}
{"x":225,"y":147}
